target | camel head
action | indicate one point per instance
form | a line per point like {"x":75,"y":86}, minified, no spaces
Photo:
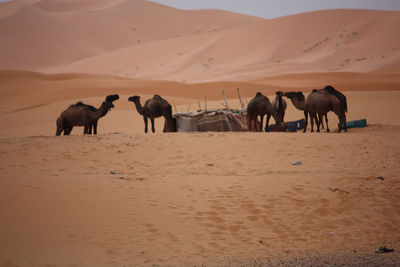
{"x":134,"y":99}
{"x":299,"y":95}
{"x":112,"y":98}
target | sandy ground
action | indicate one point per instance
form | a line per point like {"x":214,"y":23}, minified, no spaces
{"x":124,"y":198}
{"x":129,"y":199}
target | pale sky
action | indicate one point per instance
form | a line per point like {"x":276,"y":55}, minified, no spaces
{"x":277,"y":8}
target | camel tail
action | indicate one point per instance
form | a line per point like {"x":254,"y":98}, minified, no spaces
{"x":339,"y":95}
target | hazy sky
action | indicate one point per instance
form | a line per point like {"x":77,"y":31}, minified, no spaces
{"x":277,"y":8}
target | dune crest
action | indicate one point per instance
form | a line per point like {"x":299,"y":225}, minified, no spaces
{"x":146,"y":40}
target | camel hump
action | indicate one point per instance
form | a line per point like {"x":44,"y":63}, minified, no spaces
{"x":80,"y":103}
{"x":258,"y":94}
{"x":157,"y":97}
{"x":339,"y":95}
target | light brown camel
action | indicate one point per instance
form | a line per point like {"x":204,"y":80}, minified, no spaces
{"x":260,"y":106}
{"x":80,"y":115}
{"x":321,"y":102}
{"x":279,"y":105}
{"x":154,"y":108}
{"x":109,"y":99}
{"x":298,"y":102}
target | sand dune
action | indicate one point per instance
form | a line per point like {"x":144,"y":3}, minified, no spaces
{"x":38,"y":35}
{"x":24,"y":90}
{"x":146,"y":40}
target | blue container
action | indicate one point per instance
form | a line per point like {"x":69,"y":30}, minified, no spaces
{"x":298,"y":124}
{"x":281,"y":128}
{"x":356,"y":124}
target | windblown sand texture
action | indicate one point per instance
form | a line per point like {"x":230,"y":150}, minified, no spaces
{"x":124,"y":198}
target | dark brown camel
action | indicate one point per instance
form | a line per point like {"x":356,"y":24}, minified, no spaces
{"x":80,"y":115}
{"x":109,"y":99}
{"x":279,"y":105}
{"x":154,"y":108}
{"x":321,"y":102}
{"x":260,"y":106}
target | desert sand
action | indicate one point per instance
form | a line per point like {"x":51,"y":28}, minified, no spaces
{"x":126,"y":198}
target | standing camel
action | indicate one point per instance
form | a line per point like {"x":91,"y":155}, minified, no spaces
{"x":279,"y":105}
{"x":80,"y":115}
{"x":298,"y":101}
{"x":109,"y":99}
{"x":259,"y":106}
{"x":154,"y":108}
{"x":321,"y":102}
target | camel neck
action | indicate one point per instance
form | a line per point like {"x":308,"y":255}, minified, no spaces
{"x":298,"y":104}
{"x":139,"y":107}
{"x":101,"y":112}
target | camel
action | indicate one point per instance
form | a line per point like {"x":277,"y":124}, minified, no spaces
{"x":154,"y":108}
{"x":109,"y":99}
{"x":259,"y":106}
{"x":80,"y":115}
{"x":343,"y":105}
{"x":321,"y":102}
{"x":279,"y":105}
{"x":298,"y":102}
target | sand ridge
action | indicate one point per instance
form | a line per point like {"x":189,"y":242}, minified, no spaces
{"x":121,"y":38}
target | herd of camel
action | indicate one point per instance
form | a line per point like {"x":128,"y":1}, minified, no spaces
{"x":316,"y":106}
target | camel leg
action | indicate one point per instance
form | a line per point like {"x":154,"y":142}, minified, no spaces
{"x":90,"y":129}
{"x":95,"y":127}
{"x":321,"y":120}
{"x":145,"y":123}
{"x":267,"y":122}
{"x":67,"y":131}
{"x":306,"y":121}
{"x":60,"y":126}
{"x":326,"y":122}
{"x":248,"y":122}
{"x":342,"y":123}
{"x":152,"y":126}
{"x":261,"y":122}
{"x":312,"y":115}
{"x":318,"y":119}
{"x":86,"y":129}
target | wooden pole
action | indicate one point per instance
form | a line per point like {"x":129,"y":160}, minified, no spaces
{"x":187,"y":111}
{"x":240,"y":99}
{"x":205,"y":103}
{"x":226,"y":103}
{"x":198,"y":102}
